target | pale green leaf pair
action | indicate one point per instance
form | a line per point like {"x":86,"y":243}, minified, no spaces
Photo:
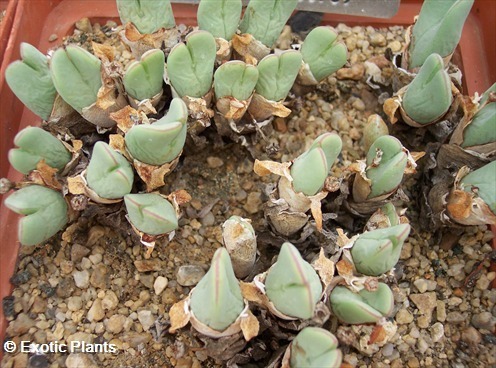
{"x":190,"y":66}
{"x":310,"y":169}
{"x":45,"y":213}
{"x":31,"y":82}
{"x":482,"y":182}
{"x":219,"y":17}
{"x":438,"y":29}
{"x":376,"y":252}
{"x":292,"y":285}
{"x":162,"y":141}
{"x":147,"y":15}
{"x":151,"y":213}
{"x":144,"y":78}
{"x":362,"y":307}
{"x":323,"y":53}
{"x":236,"y":79}
{"x":108,"y":173}
{"x":36,"y":144}
{"x":315,"y":347}
{"x":217,"y":301}
{"x":428,"y":97}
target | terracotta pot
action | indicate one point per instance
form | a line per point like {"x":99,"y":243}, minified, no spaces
{"x":9,"y":7}
{"x":36,"y":21}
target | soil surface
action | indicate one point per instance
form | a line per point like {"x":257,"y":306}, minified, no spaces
{"x":94,"y":283}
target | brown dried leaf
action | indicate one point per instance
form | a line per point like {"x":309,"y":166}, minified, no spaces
{"x":325,"y":268}
{"x":250,"y":49}
{"x":179,"y":315}
{"x":390,"y":108}
{"x":261,"y":109}
{"x":180,"y":197}
{"x":249,"y":326}
{"x":47,"y":174}
{"x":251,"y":293}
{"x":344,"y":268}
{"x":76,"y":185}
{"x":154,"y":176}
{"x":103,"y":52}
{"x":232,"y":108}
{"x":264,"y":168}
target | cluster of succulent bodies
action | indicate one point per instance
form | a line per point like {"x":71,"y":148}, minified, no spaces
{"x":226,"y":73}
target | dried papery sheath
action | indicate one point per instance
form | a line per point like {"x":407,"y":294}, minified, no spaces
{"x":241,"y":243}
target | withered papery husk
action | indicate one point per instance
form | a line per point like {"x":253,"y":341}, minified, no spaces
{"x":148,"y":106}
{"x":141,"y":43}
{"x":181,"y":314}
{"x":393,"y":108}
{"x":224,"y":51}
{"x":367,"y":339}
{"x":77,"y":185}
{"x":305,"y":76}
{"x":286,"y":208}
{"x":467,"y":208}
{"x":262,"y":109}
{"x":249,"y":49}
{"x":230,"y":111}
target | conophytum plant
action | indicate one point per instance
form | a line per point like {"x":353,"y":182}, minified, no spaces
{"x":264,"y":19}
{"x":315,"y":347}
{"x":45,"y":213}
{"x":428,"y":97}
{"x":190,"y":66}
{"x":162,"y":141}
{"x":235,"y":79}
{"x":481,"y":182}
{"x":217,"y":301}
{"x":143,"y":79}
{"x":376,"y":252}
{"x":36,"y":144}
{"x":109,"y":174}
{"x":147,"y":16}
{"x":438,"y":29}
{"x":219,"y":17}
{"x":362,"y":307}
{"x":310,"y":169}
{"x":292,"y":285}
{"x":76,"y":76}
{"x":151,"y":213}
{"x":31,"y":82}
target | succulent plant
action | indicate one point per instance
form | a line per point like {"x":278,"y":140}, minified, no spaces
{"x":151,"y":213}
{"x":323,"y":53}
{"x":31,"y":82}
{"x":277,"y":73}
{"x":481,"y":129}
{"x":292,"y":285}
{"x":220,"y":18}
{"x":108,"y":173}
{"x":147,"y":15}
{"x":362,"y":307}
{"x":45,"y":213}
{"x":438,"y":29}
{"x":235,"y":78}
{"x":241,"y":243}
{"x":315,"y":347}
{"x":376,"y":252}
{"x":36,"y":144}
{"x":310,"y":169}
{"x":386,"y":163}
{"x":144,"y":78}
{"x":190,"y":66}
{"x":76,"y":76}
{"x":162,"y":141}
{"x":375,"y":128}
{"x":481,"y":182}
{"x":217,"y":301}
{"x":428,"y":97}
{"x":264,"y":19}
{"x":390,"y":211}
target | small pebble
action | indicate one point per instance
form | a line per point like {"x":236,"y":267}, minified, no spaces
{"x":189,"y":275}
{"x":82,"y":279}
{"x":160,"y":284}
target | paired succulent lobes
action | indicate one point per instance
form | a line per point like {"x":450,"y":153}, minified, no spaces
{"x":147,"y":16}
{"x":315,"y":347}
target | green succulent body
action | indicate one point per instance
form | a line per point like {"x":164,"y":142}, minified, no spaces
{"x":217,"y":301}
{"x":315,"y":347}
{"x":264,"y":19}
{"x":147,"y":15}
{"x":438,"y":29}
{"x":362,"y":307}
{"x":482,"y":129}
{"x":323,"y":53}
{"x":219,"y":17}
{"x":375,"y":128}
{"x":144,"y":78}
{"x":292,"y":285}
{"x":236,"y":79}
{"x":76,"y":76}
{"x":190,"y":66}
{"x":481,"y":182}
{"x":376,"y":252}
{"x":388,"y":173}
{"x":428,"y":97}
{"x":36,"y":144}
{"x":277,"y":73}
{"x":310,"y":169}
{"x":31,"y":82}
{"x":162,"y":141}
{"x":151,"y":213}
{"x":108,"y":173}
{"x":45,"y":213}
